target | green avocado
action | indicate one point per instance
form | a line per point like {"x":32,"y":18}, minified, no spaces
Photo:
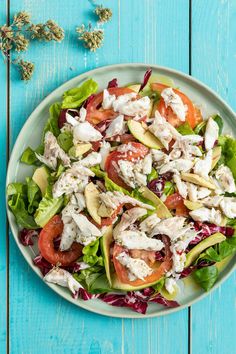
{"x":161,"y":210}
{"x":198,"y":249}
{"x":200,"y":181}
{"x":143,"y":135}
{"x":91,"y":195}
{"x":106,"y":241}
{"x":40,"y":177}
{"x":192,"y":205}
{"x":216,"y":154}
{"x":135,"y":87}
{"x":79,"y":149}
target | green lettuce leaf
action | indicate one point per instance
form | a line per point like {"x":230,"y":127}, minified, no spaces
{"x":185,"y":129}
{"x":228,"y":154}
{"x":93,"y":279}
{"x":201,"y":127}
{"x":18,"y":208}
{"x":169,"y":188}
{"x":65,"y":140}
{"x":206,"y":277}
{"x":109,"y":184}
{"x":33,"y":194}
{"x":52,"y":122}
{"x":91,"y":254}
{"x":17,"y":188}
{"x":48,"y":207}
{"x":220,"y":251}
{"x":28,"y":157}
{"x":74,"y":97}
{"x":159,"y":285}
{"x":153,"y":175}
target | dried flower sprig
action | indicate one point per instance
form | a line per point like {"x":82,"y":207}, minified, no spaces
{"x":26,"y":69}
{"x":18,"y":35}
{"x":92,"y":38}
{"x":104,"y":14}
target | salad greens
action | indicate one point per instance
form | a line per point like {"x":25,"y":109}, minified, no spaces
{"x":206,"y":277}
{"x":74,"y":97}
{"x":102,"y":242}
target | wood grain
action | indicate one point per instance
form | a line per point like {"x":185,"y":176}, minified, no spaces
{"x":3,"y":234}
{"x":213,"y":62}
{"x":151,"y":31}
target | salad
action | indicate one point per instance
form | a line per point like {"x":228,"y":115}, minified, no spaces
{"x":132,"y":190}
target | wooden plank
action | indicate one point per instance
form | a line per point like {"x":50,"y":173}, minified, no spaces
{"x":158,"y":33}
{"x":3,"y":135}
{"x":50,"y":324}
{"x":213,"y":59}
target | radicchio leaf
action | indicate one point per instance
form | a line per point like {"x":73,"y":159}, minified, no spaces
{"x":26,"y":235}
{"x":112,"y":83}
{"x":158,"y":298}
{"x":205,"y":230}
{"x":147,"y":75}
{"x":62,"y":116}
{"x":42,"y":264}
{"x":157,"y":185}
{"x":89,"y":99}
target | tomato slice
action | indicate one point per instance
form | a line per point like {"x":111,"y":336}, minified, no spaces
{"x":109,"y":221}
{"x":95,"y":114}
{"x":158,"y":269}
{"x":46,"y":246}
{"x":139,"y":152}
{"x":176,"y":202}
{"x":192,"y":115}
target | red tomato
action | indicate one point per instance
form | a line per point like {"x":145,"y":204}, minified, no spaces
{"x":113,"y":157}
{"x":95,"y":114}
{"x":158,"y":269}
{"x":109,"y":221}
{"x":51,"y":230}
{"x":192,"y":116}
{"x":176,"y":202}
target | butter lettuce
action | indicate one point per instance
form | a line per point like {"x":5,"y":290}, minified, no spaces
{"x":206,"y":277}
{"x":93,"y":279}
{"x":52,"y":122}
{"x":185,"y":129}
{"x":18,"y":207}
{"x":65,"y":140}
{"x":74,"y":97}
{"x":109,"y":184}
{"x":33,"y":194}
{"x":47,"y":208}
{"x":228,"y":154}
{"x":92,"y":254}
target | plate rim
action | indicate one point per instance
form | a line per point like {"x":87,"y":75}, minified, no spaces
{"x":56,"y":288}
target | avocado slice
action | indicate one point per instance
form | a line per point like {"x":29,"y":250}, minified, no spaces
{"x":40,"y":177}
{"x":105,"y":242}
{"x":161,"y":210}
{"x":216,"y":154}
{"x":117,"y":284}
{"x":200,"y":181}
{"x":192,"y":205}
{"x":135,"y":87}
{"x":79,"y":149}
{"x":143,"y":135}
{"x":198,"y":249}
{"x":91,"y":194}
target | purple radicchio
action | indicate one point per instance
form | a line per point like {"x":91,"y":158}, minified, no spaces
{"x":205,"y":230}
{"x":26,"y":236}
{"x":147,"y":75}
{"x":112,"y":83}
{"x":42,"y":264}
{"x":157,"y":185}
{"x":62,"y":116}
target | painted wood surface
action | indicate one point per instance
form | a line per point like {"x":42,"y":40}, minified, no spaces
{"x":151,"y":31}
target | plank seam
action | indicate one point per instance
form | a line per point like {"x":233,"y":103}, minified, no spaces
{"x":7,"y":159}
{"x":190,"y":73}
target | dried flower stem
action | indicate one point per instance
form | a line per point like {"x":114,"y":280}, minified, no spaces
{"x":104,"y":14}
{"x":92,"y":38}
{"x":17,"y":37}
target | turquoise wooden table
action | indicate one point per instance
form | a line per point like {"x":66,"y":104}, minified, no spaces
{"x":196,"y":37}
